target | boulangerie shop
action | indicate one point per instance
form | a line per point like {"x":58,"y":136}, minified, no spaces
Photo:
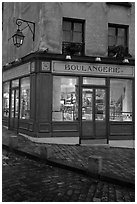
{"x":52,"y":97}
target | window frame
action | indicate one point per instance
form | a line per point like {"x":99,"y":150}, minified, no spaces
{"x":72,"y":21}
{"x":70,"y":47}
{"x":126,"y":35}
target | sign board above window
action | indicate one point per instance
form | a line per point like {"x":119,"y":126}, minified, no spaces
{"x":92,"y":69}
{"x":15,"y":72}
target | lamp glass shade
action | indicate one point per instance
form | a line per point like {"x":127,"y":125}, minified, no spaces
{"x":18,"y":38}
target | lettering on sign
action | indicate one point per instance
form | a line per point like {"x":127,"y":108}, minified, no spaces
{"x":93,"y":69}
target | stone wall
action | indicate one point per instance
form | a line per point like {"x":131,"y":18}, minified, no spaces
{"x":48,"y":18}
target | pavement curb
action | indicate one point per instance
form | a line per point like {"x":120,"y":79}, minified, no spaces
{"x":74,"y":169}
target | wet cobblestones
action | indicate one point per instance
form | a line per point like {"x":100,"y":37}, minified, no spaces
{"x":26,"y":180}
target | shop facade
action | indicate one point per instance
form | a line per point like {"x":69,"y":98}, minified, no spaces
{"x":45,"y":96}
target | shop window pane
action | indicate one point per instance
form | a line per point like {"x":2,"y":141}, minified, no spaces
{"x":6,"y":87}
{"x":25,"y":98}
{"x":65,"y":99}
{"x":15,"y":83}
{"x":94,"y":81}
{"x":120,"y":100}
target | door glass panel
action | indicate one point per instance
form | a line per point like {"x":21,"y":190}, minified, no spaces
{"x":12,"y":104}
{"x":87,"y":104}
{"x":16,"y":103}
{"x":100,"y":104}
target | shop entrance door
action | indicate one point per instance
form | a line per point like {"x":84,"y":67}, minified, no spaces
{"x":94,"y":113}
{"x":14,"y":110}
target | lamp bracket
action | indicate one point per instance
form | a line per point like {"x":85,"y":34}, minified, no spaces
{"x":19,"y":22}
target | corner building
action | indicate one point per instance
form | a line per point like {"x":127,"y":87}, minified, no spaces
{"x":75,"y":81}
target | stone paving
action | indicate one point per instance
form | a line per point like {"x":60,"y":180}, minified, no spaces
{"x":26,"y":180}
{"x":118,"y":163}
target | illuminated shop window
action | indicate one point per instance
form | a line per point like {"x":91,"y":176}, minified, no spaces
{"x":87,"y":104}
{"x":6,"y":88}
{"x":65,"y":99}
{"x":25,"y":98}
{"x":120,"y":100}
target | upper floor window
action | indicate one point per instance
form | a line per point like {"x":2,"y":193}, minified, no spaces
{"x":73,"y":36}
{"x":117,"y":40}
{"x":125,"y":4}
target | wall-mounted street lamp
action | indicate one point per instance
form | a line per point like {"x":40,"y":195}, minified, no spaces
{"x":18,"y":37}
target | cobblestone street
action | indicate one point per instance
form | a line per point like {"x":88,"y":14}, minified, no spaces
{"x":26,"y":180}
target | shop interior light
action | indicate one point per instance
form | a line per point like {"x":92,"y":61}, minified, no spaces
{"x":68,"y":57}
{"x":125,"y":61}
{"x":98,"y":59}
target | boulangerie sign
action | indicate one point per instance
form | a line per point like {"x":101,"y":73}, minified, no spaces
{"x":92,"y":69}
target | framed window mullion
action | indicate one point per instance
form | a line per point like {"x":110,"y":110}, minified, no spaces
{"x":72,"y":30}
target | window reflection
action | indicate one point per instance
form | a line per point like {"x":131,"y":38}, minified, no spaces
{"x":65,"y":99}
{"x":25,"y":98}
{"x":121,"y":100}
{"x":14,"y":103}
{"x":87,"y":104}
{"x":100,"y":104}
{"x":6,"y":87}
